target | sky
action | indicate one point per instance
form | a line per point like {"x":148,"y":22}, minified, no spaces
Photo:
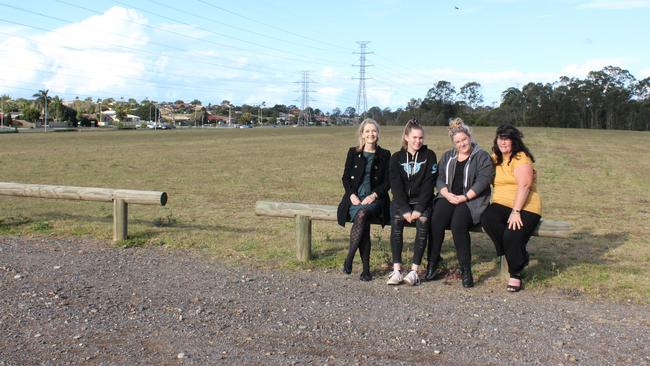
{"x":253,"y":52}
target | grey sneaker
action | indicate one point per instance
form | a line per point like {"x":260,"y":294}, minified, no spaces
{"x":395,"y":278}
{"x":412,"y":278}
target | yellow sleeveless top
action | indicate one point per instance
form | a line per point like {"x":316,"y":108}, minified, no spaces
{"x":505,"y":184}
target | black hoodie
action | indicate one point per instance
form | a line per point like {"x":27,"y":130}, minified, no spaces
{"x":412,"y":182}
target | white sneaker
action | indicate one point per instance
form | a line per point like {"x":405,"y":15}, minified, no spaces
{"x":412,"y":278}
{"x":395,"y":278}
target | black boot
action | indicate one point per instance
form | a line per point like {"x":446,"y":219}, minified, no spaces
{"x":347,"y":266}
{"x":432,"y":269}
{"x":466,"y":276}
{"x":365,"y":276}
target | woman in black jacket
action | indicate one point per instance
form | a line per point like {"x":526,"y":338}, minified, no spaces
{"x":365,"y":180}
{"x":413,"y":171}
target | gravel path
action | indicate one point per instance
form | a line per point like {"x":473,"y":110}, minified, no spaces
{"x":78,"y":301}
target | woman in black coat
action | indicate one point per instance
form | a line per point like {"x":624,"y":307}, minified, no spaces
{"x":366,"y":184}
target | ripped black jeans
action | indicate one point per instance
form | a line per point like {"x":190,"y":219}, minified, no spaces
{"x":397,"y":224}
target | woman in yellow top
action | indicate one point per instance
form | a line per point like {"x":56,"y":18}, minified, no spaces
{"x":516,"y":207}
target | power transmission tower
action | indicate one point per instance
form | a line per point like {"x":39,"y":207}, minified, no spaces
{"x":362,"y":100}
{"x":305,"y":113}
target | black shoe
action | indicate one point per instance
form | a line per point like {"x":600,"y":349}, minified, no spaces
{"x":365,"y":277}
{"x":432,"y":271}
{"x":466,"y":276}
{"x":347,"y":268}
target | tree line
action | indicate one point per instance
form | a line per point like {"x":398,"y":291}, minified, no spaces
{"x":611,"y":98}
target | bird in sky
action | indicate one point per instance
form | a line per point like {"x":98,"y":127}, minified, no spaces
{"x":457,"y":8}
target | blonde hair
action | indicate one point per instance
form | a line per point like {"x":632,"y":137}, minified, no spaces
{"x":362,"y":125}
{"x":411,"y":125}
{"x":457,"y":125}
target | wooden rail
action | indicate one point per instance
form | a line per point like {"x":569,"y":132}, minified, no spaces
{"x":121,"y":198}
{"x":305,"y":213}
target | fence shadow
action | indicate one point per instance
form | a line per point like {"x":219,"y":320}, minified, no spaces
{"x":158,"y":222}
{"x":554,"y":256}
{"x":548,"y":256}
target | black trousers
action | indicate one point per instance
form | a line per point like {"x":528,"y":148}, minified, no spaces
{"x":459,"y":219}
{"x":397,"y":224}
{"x":511,"y":243}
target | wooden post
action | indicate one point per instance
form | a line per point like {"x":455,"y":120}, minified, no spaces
{"x":303,"y":238}
{"x":120,"y":219}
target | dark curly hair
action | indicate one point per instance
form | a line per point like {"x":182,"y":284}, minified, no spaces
{"x":510,"y":132}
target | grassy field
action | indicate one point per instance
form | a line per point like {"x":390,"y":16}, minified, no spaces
{"x":597,"y":180}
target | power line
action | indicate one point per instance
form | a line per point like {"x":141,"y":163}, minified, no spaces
{"x":212,"y":20}
{"x":256,"y":53}
{"x":270,"y":25}
{"x":282,"y":51}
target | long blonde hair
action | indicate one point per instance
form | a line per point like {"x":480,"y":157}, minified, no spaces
{"x":362,"y":125}
{"x":411,"y":125}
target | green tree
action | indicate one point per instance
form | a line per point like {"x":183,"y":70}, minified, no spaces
{"x":4,"y":100}
{"x":57,"y":104}
{"x":41,"y":97}
{"x":245,"y":118}
{"x":121,"y":112}
{"x":30,"y":114}
{"x":442,"y":92}
{"x":470,"y":93}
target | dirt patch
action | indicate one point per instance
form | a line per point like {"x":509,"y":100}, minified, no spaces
{"x":70,"y":301}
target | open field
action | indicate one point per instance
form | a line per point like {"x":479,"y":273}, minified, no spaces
{"x":597,"y":180}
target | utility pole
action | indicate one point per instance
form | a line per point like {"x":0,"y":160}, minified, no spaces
{"x":305,"y":115}
{"x":362,"y":100}
{"x":229,"y":114}
{"x":45,"y":102}
{"x":99,"y":116}
{"x":260,"y":114}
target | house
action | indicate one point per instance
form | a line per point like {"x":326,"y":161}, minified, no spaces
{"x":217,"y":119}
{"x":109,"y":118}
{"x":286,"y":118}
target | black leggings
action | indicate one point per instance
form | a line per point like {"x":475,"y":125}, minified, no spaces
{"x":459,"y":220}
{"x":511,"y":243}
{"x":397,"y":224}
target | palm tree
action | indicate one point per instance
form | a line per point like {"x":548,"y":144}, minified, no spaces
{"x":4,"y":98}
{"x":43,"y":94}
{"x":57,"y":103}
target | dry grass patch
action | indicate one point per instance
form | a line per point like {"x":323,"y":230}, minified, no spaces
{"x":597,"y":180}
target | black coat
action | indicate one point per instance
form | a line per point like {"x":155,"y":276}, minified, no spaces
{"x":355,"y":165}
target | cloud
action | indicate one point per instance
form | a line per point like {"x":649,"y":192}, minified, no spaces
{"x":328,"y":97}
{"x":581,"y":70}
{"x":328,"y":73}
{"x":382,"y":96}
{"x":23,"y":63}
{"x":644,"y":73}
{"x":615,"y":4}
{"x":96,"y":54}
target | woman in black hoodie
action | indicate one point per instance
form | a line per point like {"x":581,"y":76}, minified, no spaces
{"x":365,"y":180}
{"x":413,"y":172}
